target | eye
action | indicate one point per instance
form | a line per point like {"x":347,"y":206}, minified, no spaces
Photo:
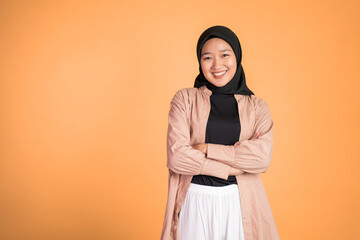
{"x":207,"y":58}
{"x":225,"y":55}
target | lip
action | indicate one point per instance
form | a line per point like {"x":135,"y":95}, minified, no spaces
{"x":219,"y":76}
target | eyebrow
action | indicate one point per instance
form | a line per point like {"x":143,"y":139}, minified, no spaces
{"x":224,"y":50}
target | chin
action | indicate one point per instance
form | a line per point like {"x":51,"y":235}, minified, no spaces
{"x":219,"y":84}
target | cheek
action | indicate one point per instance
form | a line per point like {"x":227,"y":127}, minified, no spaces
{"x":233,"y":66}
{"x":204,"y":67}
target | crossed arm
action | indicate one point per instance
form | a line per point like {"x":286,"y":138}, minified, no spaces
{"x":202,"y":147}
{"x":253,"y":155}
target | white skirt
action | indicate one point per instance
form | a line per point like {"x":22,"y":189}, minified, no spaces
{"x":211,"y":213}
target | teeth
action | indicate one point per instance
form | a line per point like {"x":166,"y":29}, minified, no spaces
{"x":219,"y":73}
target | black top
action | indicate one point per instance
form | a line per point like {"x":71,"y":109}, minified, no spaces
{"x":223,"y":127}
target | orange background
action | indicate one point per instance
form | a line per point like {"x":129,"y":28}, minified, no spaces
{"x":85,"y":89}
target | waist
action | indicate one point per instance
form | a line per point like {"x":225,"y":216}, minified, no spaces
{"x":212,"y":190}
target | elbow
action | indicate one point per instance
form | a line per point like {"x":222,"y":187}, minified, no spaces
{"x":266,"y":162}
{"x":265,"y":158}
{"x":174,"y":168}
{"x":258,"y":164}
{"x":173,"y":158}
{"x":266,"y":166}
{"x":172,"y":163}
{"x":181,"y":163}
{"x":175,"y":163}
{"x":261,"y":167}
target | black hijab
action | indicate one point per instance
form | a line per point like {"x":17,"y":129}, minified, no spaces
{"x":237,"y":84}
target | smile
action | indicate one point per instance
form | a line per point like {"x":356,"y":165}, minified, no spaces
{"x":219,"y":74}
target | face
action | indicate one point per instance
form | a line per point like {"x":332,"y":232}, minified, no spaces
{"x":218,"y":61}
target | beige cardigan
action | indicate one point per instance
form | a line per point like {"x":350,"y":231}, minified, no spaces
{"x":188,"y":115}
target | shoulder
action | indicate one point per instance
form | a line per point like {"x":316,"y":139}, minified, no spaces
{"x":258,"y":102}
{"x":184,"y":95}
{"x":261,"y":107}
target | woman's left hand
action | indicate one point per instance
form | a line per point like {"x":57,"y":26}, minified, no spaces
{"x":201,"y":147}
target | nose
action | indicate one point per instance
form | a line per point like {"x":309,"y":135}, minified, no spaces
{"x":216,"y":63}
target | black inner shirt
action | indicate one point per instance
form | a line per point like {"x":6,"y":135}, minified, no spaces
{"x":223,"y":127}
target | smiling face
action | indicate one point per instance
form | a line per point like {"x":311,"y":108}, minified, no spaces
{"x":218,"y":61}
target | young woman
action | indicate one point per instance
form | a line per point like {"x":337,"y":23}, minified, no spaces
{"x":220,"y":138}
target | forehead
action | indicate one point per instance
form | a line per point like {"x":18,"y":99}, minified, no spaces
{"x":215,"y":44}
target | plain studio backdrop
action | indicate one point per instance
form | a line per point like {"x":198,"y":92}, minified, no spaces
{"x":85,"y":90}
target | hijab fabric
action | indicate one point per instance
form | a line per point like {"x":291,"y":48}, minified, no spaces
{"x":237,"y":85}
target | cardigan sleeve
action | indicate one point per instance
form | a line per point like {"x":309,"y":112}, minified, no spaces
{"x":253,"y":156}
{"x":182,"y":158}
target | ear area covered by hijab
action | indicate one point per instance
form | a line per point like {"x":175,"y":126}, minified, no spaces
{"x":237,"y":85}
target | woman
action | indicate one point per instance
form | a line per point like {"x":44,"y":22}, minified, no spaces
{"x":220,"y":138}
